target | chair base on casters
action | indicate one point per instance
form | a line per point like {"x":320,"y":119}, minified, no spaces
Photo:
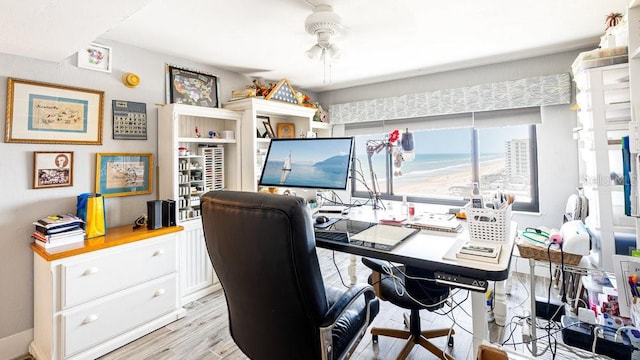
{"x":415,"y":336}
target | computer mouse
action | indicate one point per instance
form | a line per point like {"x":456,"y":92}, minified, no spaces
{"x":321,"y":219}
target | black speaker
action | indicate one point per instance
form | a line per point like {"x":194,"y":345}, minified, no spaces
{"x":154,"y":214}
{"x":168,"y":213}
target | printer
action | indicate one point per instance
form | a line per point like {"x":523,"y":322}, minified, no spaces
{"x":575,"y":238}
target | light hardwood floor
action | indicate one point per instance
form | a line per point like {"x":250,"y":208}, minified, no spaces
{"x":203,"y":332}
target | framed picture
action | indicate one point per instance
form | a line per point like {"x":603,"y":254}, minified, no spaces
{"x":95,"y":57}
{"x":53,"y":114}
{"x":286,"y":130}
{"x":52,"y":169}
{"x":261,"y":130}
{"x":123,"y":174}
{"x":191,"y":87}
{"x":129,"y":120}
{"x":270,"y":133}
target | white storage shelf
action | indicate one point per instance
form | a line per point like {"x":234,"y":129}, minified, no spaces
{"x":253,"y":148}
{"x":217,"y":166}
{"x":88,"y":304}
{"x":604,"y":99}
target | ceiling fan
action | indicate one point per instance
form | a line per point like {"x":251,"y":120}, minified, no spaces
{"x":323,"y":23}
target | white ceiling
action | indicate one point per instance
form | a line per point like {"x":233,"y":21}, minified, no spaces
{"x":382,"y":39}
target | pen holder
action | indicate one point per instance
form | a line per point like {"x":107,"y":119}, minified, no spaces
{"x":488,"y":224}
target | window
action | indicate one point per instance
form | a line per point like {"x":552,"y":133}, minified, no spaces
{"x":498,"y":152}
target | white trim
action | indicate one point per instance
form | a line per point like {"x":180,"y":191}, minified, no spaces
{"x":16,"y":345}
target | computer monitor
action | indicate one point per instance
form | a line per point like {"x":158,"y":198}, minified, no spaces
{"x":311,"y":163}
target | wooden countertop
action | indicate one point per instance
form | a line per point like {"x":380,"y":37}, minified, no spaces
{"x":115,"y":236}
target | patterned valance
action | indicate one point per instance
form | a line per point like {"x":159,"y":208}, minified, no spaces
{"x":513,"y":94}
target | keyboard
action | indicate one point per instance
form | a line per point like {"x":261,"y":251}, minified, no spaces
{"x":330,"y":235}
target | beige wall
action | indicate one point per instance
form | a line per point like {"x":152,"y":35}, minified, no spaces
{"x":20,"y":205}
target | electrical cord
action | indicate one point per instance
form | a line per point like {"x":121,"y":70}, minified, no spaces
{"x":538,"y":236}
{"x":333,"y":257}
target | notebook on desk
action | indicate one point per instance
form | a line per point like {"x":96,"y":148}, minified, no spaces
{"x":365,"y":234}
{"x":385,"y":237}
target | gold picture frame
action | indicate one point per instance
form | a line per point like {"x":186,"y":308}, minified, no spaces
{"x":52,"y":169}
{"x":124,"y":174}
{"x":42,"y":113}
{"x":286,"y":130}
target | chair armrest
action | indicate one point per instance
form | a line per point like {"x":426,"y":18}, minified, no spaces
{"x":351,"y":295}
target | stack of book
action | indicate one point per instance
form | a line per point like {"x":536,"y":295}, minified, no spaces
{"x":480,"y":252}
{"x":59,"y":232}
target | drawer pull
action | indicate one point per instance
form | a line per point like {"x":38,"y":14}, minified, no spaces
{"x":89,"y":319}
{"x":159,"y":292}
{"x":158,"y":252}
{"x":91,"y":270}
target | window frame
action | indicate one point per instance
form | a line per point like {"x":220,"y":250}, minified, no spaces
{"x":519,"y":205}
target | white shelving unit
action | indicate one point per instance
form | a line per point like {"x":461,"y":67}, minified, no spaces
{"x":633,"y":23}
{"x":211,"y":164}
{"x":254,"y":148}
{"x":603,"y":119}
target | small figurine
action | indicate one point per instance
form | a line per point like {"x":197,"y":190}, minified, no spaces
{"x":197,"y":132}
{"x":211,"y":134}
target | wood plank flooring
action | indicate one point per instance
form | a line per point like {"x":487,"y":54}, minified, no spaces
{"x":203,"y":332}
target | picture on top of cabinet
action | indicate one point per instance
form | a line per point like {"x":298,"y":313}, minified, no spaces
{"x":191,"y":87}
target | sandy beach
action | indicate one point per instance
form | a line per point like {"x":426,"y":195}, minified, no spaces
{"x":440,"y":181}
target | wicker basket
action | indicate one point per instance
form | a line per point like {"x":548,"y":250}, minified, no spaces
{"x":538,"y":252}
{"x":488,"y":224}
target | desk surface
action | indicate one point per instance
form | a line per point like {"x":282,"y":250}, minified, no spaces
{"x":430,"y":250}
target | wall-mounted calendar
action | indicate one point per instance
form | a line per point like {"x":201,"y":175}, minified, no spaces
{"x":129,"y":120}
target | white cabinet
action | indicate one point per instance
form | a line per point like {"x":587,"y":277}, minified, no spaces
{"x":254,"y":149}
{"x":117,"y":288}
{"x":189,"y":166}
{"x":603,"y":119}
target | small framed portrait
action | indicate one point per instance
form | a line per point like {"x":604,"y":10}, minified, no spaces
{"x":286,"y":130}
{"x":270,"y":133}
{"x":95,"y":57}
{"x":191,"y":87}
{"x":261,"y":128}
{"x":52,"y":169}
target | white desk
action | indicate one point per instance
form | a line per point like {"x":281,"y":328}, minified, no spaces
{"x":432,"y":250}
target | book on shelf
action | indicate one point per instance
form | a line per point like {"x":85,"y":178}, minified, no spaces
{"x":49,"y":247}
{"x":480,"y":252}
{"x":57,"y":236}
{"x":55,"y":243}
{"x":59,"y":222}
{"x":451,"y":225}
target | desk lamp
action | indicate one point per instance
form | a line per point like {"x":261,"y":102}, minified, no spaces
{"x":376,"y":146}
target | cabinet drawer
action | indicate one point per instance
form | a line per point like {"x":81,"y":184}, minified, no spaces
{"x":106,"y":318}
{"x":97,"y":276}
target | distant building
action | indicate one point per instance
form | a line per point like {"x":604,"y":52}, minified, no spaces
{"x":517,"y":160}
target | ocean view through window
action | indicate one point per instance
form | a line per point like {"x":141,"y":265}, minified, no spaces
{"x":448,"y":161}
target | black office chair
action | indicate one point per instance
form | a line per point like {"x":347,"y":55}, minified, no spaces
{"x":410,"y":294}
{"x":263,"y":251}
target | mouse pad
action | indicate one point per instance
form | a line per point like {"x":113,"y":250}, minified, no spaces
{"x":325,"y":225}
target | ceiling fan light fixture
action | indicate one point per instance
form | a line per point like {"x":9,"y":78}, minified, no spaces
{"x":314,"y":52}
{"x":334,"y":52}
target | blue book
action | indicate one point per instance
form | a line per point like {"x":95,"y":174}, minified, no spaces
{"x":626,"y":172}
